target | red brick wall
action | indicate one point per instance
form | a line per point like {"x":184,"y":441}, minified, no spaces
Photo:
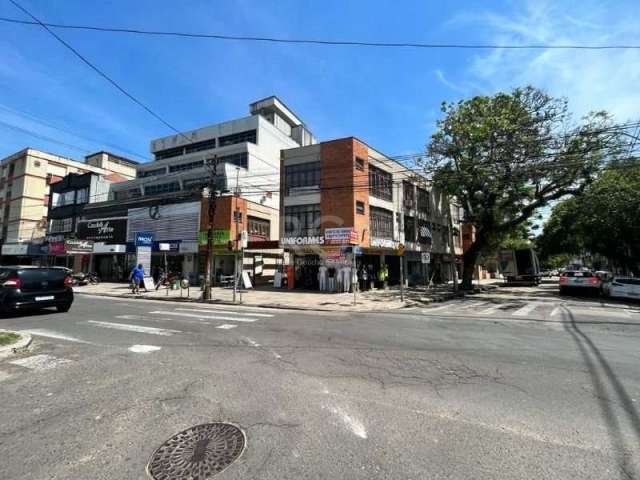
{"x":342,"y":185}
{"x":223,"y":219}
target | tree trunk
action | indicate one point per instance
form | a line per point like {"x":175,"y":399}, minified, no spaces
{"x":469,"y":259}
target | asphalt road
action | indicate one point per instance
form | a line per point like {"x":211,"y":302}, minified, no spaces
{"x":515,"y":384}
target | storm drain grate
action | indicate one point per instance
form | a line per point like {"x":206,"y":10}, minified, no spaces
{"x":197,"y":453}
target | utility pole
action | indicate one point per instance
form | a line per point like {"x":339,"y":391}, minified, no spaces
{"x":212,"y":164}
{"x":236,"y":214}
{"x":453,"y":248}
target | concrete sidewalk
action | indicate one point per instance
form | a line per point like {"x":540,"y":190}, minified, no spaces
{"x":373,"y":300}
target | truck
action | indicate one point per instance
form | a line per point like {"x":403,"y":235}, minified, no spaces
{"x":520,"y":266}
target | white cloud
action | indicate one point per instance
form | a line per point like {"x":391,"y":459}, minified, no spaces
{"x":591,"y":80}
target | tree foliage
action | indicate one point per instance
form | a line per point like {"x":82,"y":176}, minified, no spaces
{"x":505,"y":156}
{"x":604,"y":220}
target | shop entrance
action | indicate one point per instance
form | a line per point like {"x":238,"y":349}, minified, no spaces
{"x":110,"y":268}
{"x":306,"y":272}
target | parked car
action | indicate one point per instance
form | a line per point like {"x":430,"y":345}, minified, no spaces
{"x":24,"y":287}
{"x":622,"y":287}
{"x":579,"y":280}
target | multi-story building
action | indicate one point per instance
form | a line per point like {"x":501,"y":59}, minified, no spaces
{"x":71,"y":240}
{"x":343,"y":196}
{"x":25,"y":179}
{"x":247,"y":154}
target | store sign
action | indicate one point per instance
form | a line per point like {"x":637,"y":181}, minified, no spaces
{"x":78,"y":246}
{"x":56,"y":248}
{"x":164,"y":247}
{"x":172,"y":221}
{"x":384,"y":243}
{"x":220,"y":237}
{"x":144,"y":239}
{"x":189,"y":247}
{"x":340,"y":236}
{"x":108,"y":248}
{"x":54,"y":238}
{"x":293,"y":241}
{"x":112,"y":231}
{"x":426,"y":257}
{"x":15,"y":249}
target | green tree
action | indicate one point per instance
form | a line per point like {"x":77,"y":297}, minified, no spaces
{"x":505,"y":156}
{"x":604,"y":220}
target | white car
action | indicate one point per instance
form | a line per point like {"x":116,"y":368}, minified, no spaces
{"x":623,"y":287}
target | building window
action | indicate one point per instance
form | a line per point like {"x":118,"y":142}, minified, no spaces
{"x":302,"y":220}
{"x":248,"y":136}
{"x":36,"y":163}
{"x":409,"y":229}
{"x":162,"y":188}
{"x":237,"y":216}
{"x":424,"y":205}
{"x":200,"y":146}
{"x":12,"y":169}
{"x":62,"y":199}
{"x":360,"y":164}
{"x":60,"y":225}
{"x":82,"y":195}
{"x":301,"y":175}
{"x":238,"y":159}
{"x":408,"y":195}
{"x":381,"y":222}
{"x":152,"y":173}
{"x":424,"y":232}
{"x":169,"y":152}
{"x":380,"y":183}
{"x":185,"y":166}
{"x":258,"y":228}
{"x":360,"y":208}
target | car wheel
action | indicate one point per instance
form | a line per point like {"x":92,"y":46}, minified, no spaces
{"x":64,"y":308}
{"x":563,"y":290}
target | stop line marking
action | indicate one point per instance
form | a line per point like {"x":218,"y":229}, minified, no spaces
{"x":134,"y":328}
{"x":208,"y":317}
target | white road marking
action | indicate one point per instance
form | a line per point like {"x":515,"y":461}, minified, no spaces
{"x":435,"y":309}
{"x":352,"y":423}
{"x":226,"y":326}
{"x":134,"y":328}
{"x":40,"y":362}
{"x":556,"y":311}
{"x":51,"y":334}
{"x":227,"y":312}
{"x":470,"y":305}
{"x":208,"y":317}
{"x":156,"y":319}
{"x":143,"y":348}
{"x":277,"y":355}
{"x":488,"y":311}
{"x":4,"y":375}
{"x":526,"y":310}
{"x":251,"y":342}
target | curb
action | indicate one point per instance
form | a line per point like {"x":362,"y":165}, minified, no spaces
{"x":24,"y":342}
{"x":276,"y":306}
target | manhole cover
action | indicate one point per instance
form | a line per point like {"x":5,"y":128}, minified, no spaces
{"x":197,"y":453}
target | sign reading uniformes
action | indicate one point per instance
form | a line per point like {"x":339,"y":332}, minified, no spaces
{"x":314,"y":240}
{"x":108,"y":231}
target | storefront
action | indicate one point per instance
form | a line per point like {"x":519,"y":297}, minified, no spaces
{"x":320,"y":262}
{"x":174,"y":228}
{"x":15,"y":254}
{"x":109,"y":255}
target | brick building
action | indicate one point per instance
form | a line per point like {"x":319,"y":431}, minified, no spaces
{"x":342,"y":196}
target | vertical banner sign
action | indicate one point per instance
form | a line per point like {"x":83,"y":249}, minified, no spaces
{"x":144,"y":241}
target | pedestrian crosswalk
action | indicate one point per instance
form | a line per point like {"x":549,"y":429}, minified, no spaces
{"x":551,"y":309}
{"x":137,"y":332}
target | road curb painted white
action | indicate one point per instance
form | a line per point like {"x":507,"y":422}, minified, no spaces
{"x":24,"y":342}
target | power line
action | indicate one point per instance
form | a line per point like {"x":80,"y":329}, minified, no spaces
{"x":312,"y":41}
{"x":34,"y":118}
{"x":96,"y":69}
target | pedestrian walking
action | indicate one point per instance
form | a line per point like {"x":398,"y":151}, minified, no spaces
{"x":136,"y":277}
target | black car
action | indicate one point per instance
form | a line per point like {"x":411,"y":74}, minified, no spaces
{"x":28,"y":287}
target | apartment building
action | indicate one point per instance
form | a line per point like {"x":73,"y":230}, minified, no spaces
{"x":342,"y":197}
{"x":25,"y":179}
{"x":247,"y":154}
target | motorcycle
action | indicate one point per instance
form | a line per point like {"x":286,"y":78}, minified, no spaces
{"x":82,"y":278}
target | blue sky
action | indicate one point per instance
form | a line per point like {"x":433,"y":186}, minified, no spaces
{"x":389,"y":98}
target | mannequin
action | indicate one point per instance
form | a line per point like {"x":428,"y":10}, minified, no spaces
{"x":322,"y":277}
